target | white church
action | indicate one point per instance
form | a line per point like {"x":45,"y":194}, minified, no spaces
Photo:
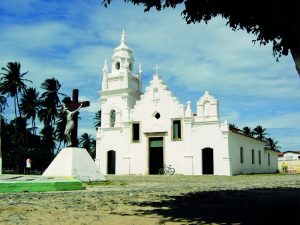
{"x":141,"y":132}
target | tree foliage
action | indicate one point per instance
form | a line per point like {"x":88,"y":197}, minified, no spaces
{"x":260,"y":132}
{"x":30,"y":105}
{"x":271,"y":144}
{"x":276,"y":22}
{"x":88,"y":143}
{"x":12,"y":83}
{"x":50,"y":102}
{"x":97,"y":119}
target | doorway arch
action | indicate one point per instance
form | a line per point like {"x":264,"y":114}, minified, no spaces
{"x":111,"y":162}
{"x":207,"y":161}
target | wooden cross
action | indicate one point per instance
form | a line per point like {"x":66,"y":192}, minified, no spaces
{"x":73,"y":105}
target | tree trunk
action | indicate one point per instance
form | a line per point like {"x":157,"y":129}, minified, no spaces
{"x":18,"y":104}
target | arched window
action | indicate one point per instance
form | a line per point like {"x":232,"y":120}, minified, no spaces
{"x":112,"y":118}
{"x":118,"y":65}
{"x":241,"y":155}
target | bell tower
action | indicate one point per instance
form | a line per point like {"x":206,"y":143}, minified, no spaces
{"x":121,"y":88}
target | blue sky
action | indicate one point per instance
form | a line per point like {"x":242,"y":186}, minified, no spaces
{"x":70,"y":40}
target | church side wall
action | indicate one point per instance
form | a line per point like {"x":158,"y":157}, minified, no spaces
{"x":250,"y":162}
{"x":210,"y":136}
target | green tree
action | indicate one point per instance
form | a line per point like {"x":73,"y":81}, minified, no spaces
{"x":97,"y":119}
{"x":247,"y":131}
{"x":275,"y":22}
{"x":12,"y":83}
{"x":47,"y":146}
{"x":271,"y":144}
{"x":30,"y":105}
{"x":19,"y":144}
{"x":232,"y":126}
{"x":88,"y":143}
{"x":50,"y":101}
{"x":260,"y":132}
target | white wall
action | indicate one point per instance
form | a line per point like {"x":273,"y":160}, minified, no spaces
{"x":288,"y":156}
{"x":236,"y":141}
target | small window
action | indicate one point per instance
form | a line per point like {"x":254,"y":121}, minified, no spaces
{"x":259,"y":157}
{"x":135,"y":132}
{"x":241,"y":155}
{"x":269,"y":160}
{"x":118,"y":65}
{"x":253,"y":156}
{"x":176,"y":127}
{"x":130,"y":66}
{"x":112,"y":118}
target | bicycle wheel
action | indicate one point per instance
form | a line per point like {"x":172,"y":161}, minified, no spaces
{"x":171,"y":171}
{"x":161,"y":171}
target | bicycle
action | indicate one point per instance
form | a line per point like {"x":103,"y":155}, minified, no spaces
{"x":166,"y":170}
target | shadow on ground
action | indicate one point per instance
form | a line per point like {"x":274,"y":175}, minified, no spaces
{"x":253,"y":206}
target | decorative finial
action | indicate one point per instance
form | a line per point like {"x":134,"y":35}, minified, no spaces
{"x":156,"y":69}
{"x":123,"y":38}
{"x":105,"y":67}
{"x":188,"y":112}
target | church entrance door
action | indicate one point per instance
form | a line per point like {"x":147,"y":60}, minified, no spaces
{"x":156,"y":154}
{"x":111,"y":162}
{"x":207,"y":161}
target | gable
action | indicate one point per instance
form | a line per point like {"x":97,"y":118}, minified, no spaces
{"x":157,"y":99}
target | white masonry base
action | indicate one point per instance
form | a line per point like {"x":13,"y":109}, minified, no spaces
{"x":74,"y":162}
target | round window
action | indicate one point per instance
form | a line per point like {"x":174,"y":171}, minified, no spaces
{"x":118,"y":65}
{"x":157,"y":116}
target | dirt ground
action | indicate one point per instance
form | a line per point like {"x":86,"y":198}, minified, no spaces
{"x":129,"y":200}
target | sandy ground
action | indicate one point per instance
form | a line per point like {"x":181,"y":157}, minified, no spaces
{"x":122,"y":200}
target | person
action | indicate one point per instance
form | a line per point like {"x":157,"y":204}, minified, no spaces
{"x":28,"y":166}
{"x":70,"y":123}
{"x":284,"y":167}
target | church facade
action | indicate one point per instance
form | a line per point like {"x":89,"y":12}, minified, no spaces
{"x":141,"y":132}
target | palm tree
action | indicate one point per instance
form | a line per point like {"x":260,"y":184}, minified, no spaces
{"x":97,"y":119}
{"x":85,"y":141}
{"x":271,"y":144}
{"x":260,"y":132}
{"x":232,"y":126}
{"x":247,"y":131}
{"x":88,"y":143}
{"x":50,"y":101}
{"x":30,"y":105}
{"x":12,"y":83}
